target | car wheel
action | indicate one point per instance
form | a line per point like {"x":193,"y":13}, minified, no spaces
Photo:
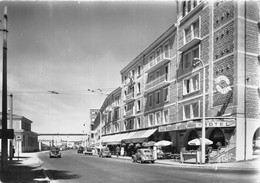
{"x":152,"y":161}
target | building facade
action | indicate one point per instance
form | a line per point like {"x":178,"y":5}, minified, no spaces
{"x":162,"y":88}
{"x":25,"y":140}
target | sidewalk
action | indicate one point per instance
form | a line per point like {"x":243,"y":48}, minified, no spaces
{"x":27,"y":169}
{"x":253,"y":164}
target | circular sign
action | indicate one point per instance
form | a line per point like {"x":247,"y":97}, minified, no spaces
{"x":18,"y":137}
{"x":222,"y":84}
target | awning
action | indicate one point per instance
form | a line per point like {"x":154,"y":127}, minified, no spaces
{"x":113,"y":139}
{"x":138,"y":136}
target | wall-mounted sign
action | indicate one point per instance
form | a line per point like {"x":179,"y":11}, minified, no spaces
{"x":18,"y":138}
{"x":222,"y":84}
{"x":198,"y":124}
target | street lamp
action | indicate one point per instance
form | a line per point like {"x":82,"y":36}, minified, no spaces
{"x":203,"y":149}
{"x":100,"y":128}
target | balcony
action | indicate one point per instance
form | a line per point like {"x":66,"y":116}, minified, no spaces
{"x":159,"y":61}
{"x":115,"y":105}
{"x":190,"y":40}
{"x":130,"y":113}
{"x":157,"y":83}
{"x":129,"y":97}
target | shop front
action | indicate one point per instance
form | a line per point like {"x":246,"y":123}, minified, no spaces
{"x":220,"y":131}
{"x":135,"y":139}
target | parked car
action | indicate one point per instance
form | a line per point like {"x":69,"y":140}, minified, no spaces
{"x":104,"y":152}
{"x":80,"y":150}
{"x":88,"y":151}
{"x":55,"y":152}
{"x":143,"y":155}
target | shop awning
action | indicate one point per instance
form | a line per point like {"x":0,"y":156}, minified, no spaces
{"x":114,"y":139}
{"x":107,"y":138}
{"x":139,"y":136}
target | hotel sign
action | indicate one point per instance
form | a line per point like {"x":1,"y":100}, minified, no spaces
{"x":198,"y":124}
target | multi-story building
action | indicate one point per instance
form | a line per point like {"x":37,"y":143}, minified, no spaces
{"x":163,"y":87}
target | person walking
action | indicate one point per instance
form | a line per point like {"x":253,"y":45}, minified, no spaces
{"x":117,"y":151}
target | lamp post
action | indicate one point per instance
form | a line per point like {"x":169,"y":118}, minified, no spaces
{"x":203,"y":131}
{"x":100,"y":127}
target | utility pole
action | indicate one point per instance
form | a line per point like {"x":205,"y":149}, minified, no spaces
{"x":4,"y":156}
{"x":11,"y":126}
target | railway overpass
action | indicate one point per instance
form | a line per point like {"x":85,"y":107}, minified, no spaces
{"x":61,"y":138}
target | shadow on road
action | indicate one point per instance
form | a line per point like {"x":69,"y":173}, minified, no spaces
{"x":18,"y":173}
{"x":61,"y":175}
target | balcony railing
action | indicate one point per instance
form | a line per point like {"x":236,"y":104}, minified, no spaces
{"x":129,"y":97}
{"x":160,"y":60}
{"x":130,"y":113}
{"x":157,"y":83}
{"x":190,"y":40}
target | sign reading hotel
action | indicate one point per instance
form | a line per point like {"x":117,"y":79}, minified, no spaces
{"x":222,"y":84}
{"x":198,"y":124}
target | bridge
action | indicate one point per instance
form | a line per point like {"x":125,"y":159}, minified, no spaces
{"x":62,"y":134}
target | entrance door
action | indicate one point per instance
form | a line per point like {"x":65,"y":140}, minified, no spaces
{"x":216,"y":136}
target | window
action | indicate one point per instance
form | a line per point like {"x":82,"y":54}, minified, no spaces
{"x":125,"y":125}
{"x":116,"y":114}
{"x":188,"y":58}
{"x":191,"y":32}
{"x":191,"y":84}
{"x":125,"y":80}
{"x":125,"y":94}
{"x":129,"y":124}
{"x":157,"y":97}
{"x":116,"y":127}
{"x":132,"y":74}
{"x":138,"y":105}
{"x":166,"y":116}
{"x":138,"y":123}
{"x":166,"y":94}
{"x":158,"y":55}
{"x":150,"y":78}
{"x":184,"y":9}
{"x":151,"y":58}
{"x":138,"y":88}
{"x":157,"y":74}
{"x":157,"y":118}
{"x":150,"y":100}
{"x":166,"y":51}
{"x":150,"y":120}
{"x":191,"y":110}
{"x":166,"y":72}
{"x":139,"y":70}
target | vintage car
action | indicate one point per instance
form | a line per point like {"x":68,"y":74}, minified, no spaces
{"x":104,"y":152}
{"x":88,"y":151}
{"x":143,"y":155}
{"x":55,"y":152}
{"x":80,"y":149}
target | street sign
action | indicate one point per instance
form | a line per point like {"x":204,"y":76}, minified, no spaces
{"x":18,"y":138}
{"x":9,"y":133}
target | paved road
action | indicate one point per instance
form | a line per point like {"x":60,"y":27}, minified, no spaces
{"x":78,"y":168}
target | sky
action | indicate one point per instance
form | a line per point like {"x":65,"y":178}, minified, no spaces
{"x":76,"y":48}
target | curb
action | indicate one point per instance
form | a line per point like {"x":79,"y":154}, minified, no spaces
{"x":45,"y":175}
{"x":213,"y":166}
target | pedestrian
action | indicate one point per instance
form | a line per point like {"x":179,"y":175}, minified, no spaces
{"x":13,"y":151}
{"x":117,"y":151}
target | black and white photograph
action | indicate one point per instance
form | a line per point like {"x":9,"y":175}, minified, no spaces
{"x":130,"y":91}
